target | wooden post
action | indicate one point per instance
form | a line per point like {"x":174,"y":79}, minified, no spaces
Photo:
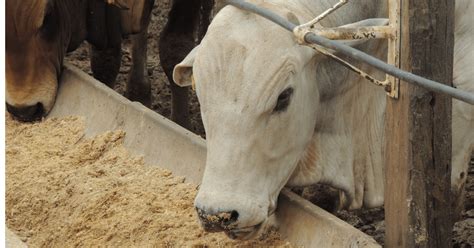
{"x":418,"y":132}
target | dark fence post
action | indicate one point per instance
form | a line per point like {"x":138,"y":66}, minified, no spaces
{"x":418,"y":132}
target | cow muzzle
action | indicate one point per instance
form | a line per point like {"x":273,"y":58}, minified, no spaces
{"x":217,"y":222}
{"x":27,"y":113}
{"x":240,"y":216}
{"x":227,"y":222}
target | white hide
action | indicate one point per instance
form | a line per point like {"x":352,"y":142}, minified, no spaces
{"x":333,"y":129}
{"x":463,"y":113}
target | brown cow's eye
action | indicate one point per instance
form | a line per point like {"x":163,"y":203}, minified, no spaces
{"x":50,"y":24}
{"x":283,"y":100}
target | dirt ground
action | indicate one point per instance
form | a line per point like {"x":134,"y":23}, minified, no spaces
{"x":463,"y":234}
{"x":65,"y":190}
{"x":369,"y":221}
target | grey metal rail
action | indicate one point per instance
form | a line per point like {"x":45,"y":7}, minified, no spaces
{"x":357,"y":54}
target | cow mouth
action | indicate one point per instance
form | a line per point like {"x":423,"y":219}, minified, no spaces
{"x":245,"y":233}
{"x":251,"y":232}
{"x":27,"y":114}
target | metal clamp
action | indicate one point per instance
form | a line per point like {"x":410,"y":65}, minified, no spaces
{"x":303,"y":29}
{"x":390,"y":84}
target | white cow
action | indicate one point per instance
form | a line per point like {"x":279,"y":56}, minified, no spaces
{"x":277,"y":113}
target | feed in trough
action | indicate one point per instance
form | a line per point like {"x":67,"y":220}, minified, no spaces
{"x":65,"y":189}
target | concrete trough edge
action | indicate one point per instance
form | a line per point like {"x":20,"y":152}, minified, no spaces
{"x":163,"y":143}
{"x":12,"y":240}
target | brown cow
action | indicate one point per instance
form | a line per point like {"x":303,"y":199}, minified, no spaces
{"x":38,"y":35}
{"x":40,"y":32}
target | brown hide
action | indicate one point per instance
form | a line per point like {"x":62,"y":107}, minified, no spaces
{"x":136,"y":17}
{"x":34,"y":38}
{"x":40,"y":32}
{"x":135,"y":14}
{"x":122,"y":4}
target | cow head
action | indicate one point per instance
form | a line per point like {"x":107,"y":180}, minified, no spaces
{"x":40,"y":32}
{"x":34,"y":52}
{"x":258,"y":95}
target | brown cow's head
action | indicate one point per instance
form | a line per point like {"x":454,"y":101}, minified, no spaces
{"x":38,"y":35}
{"x":34,"y":53}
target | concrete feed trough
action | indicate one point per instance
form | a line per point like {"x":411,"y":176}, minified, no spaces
{"x":162,"y":142}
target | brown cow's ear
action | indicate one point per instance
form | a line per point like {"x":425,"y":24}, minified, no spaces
{"x":183,"y":72}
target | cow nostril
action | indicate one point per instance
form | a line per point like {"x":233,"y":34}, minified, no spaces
{"x":234,"y":215}
{"x":227,"y":218}
{"x":27,"y":113}
{"x":214,"y":222}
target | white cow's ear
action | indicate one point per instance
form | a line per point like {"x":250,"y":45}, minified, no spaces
{"x":363,"y":23}
{"x":183,"y":72}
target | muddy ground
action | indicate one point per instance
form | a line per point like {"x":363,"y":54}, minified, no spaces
{"x":369,"y":221}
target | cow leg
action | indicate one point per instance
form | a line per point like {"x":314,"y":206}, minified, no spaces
{"x":176,"y":41}
{"x":169,"y":57}
{"x":187,"y":20}
{"x":205,"y":17}
{"x":105,"y":63}
{"x":138,"y":86}
{"x":180,"y":105}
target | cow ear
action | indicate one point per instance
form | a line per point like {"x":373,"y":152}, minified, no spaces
{"x":363,"y":23}
{"x":136,"y":16}
{"x":183,"y":72}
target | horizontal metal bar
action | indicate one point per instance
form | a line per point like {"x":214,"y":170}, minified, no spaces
{"x":391,"y":70}
{"x":359,"y":33}
{"x":359,"y":55}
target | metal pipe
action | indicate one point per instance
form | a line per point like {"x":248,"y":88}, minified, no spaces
{"x":392,"y":70}
{"x":356,"y":54}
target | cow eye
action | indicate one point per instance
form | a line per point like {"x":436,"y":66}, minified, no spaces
{"x":49,"y":26}
{"x":283,"y":100}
